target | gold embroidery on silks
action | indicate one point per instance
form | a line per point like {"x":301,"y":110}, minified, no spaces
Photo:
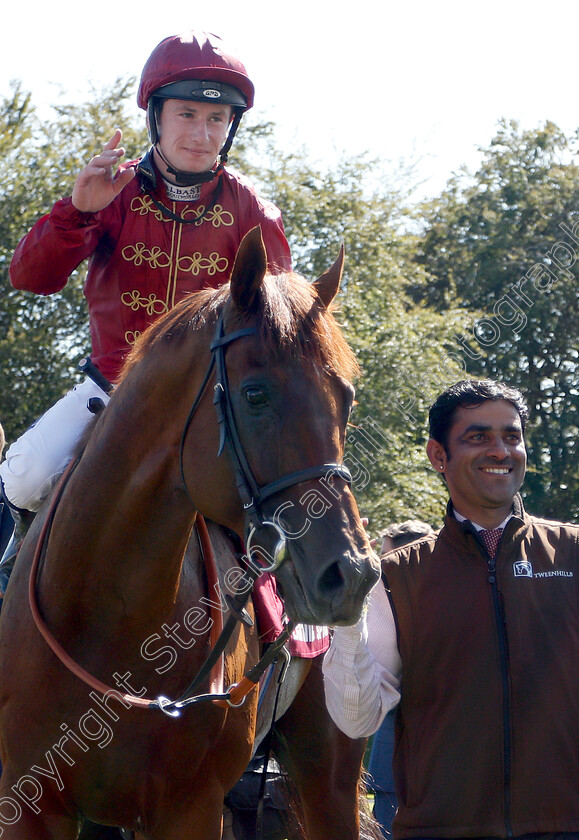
{"x":177,"y":233}
{"x":132,"y":336}
{"x":151,"y":303}
{"x":195,"y":263}
{"x":194,"y":211}
{"x":143,"y":204}
{"x":139,"y":253}
{"x":218,"y":216}
{"x":175,"y":262}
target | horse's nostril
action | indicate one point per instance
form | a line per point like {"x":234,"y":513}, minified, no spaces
{"x":331,"y":580}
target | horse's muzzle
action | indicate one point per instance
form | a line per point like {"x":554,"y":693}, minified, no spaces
{"x":335,"y":595}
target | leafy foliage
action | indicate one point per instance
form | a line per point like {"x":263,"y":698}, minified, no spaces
{"x":417,"y":308}
{"x":505,"y":241}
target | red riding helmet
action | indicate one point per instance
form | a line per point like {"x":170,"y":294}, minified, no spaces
{"x":194,"y":65}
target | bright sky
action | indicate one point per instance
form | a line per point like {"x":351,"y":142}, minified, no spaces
{"x":397,"y":79}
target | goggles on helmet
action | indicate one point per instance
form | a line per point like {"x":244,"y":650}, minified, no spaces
{"x":200,"y":90}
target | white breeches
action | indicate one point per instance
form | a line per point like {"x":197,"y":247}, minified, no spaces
{"x":35,"y":461}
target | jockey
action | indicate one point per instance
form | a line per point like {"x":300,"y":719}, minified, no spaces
{"x":160,"y":227}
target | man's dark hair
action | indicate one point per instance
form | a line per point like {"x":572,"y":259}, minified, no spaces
{"x":401,"y":533}
{"x":469,"y":393}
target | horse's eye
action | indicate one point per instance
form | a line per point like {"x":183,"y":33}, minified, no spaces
{"x":256,"y":396}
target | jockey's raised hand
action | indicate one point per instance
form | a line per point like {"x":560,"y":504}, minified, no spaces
{"x":97,"y":185}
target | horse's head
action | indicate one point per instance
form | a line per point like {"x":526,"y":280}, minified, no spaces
{"x":283,"y":398}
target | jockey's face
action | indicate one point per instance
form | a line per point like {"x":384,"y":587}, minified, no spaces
{"x":192,"y":134}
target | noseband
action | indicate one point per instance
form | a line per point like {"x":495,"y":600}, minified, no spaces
{"x":253,"y":496}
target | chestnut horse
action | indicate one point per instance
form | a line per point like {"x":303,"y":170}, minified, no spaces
{"x":119,"y":590}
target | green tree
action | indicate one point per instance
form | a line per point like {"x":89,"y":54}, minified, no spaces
{"x":408,"y":302}
{"x":505,"y":242}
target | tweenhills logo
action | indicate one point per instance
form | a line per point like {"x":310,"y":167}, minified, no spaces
{"x":524,"y":568}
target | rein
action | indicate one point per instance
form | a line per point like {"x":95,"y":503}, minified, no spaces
{"x":59,"y":651}
{"x":235,"y":694}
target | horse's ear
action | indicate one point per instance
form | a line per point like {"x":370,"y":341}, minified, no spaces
{"x":328,"y":284}
{"x":249,"y":269}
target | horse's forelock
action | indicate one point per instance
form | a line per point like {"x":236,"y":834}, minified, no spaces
{"x":290,"y":318}
{"x":294,"y":321}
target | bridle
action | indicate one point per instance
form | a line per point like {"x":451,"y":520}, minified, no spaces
{"x":252,"y":496}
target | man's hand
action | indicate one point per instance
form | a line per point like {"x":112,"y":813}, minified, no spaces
{"x":96,"y":185}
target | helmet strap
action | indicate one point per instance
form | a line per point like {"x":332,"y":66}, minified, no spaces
{"x":188,"y":179}
{"x":232,"y":132}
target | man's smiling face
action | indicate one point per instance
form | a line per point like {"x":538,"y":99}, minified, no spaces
{"x":484,"y":461}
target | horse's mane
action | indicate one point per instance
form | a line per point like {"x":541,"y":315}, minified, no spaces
{"x":290,"y":318}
